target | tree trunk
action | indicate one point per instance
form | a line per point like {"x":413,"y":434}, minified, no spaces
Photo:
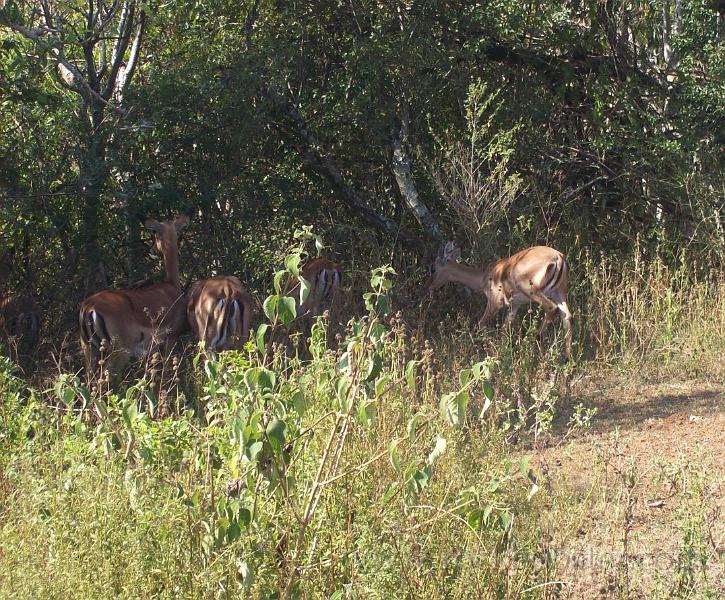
{"x":406,"y":185}
{"x":92,"y":179}
{"x":310,"y":149}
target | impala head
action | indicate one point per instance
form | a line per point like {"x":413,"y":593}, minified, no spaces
{"x":166,"y":233}
{"x":446,"y":255}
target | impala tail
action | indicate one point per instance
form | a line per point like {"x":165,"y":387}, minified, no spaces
{"x":329,"y":281}
{"x":93,"y":334}
{"x":556,"y":272}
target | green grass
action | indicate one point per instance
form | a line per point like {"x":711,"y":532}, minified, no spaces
{"x":385,"y":467}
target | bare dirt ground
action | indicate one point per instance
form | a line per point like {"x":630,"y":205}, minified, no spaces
{"x":647,"y":479}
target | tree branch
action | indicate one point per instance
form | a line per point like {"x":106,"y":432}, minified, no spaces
{"x":404,"y":178}
{"x":125,"y":27}
{"x":126,"y":74}
{"x":72,"y":78}
{"x":310,"y":149}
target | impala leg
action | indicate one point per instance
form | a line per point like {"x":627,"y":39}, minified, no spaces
{"x":549,"y":316}
{"x":567,"y":319}
{"x":550,"y":311}
{"x":487,"y":317}
{"x":513,"y":311}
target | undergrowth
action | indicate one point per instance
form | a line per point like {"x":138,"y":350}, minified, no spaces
{"x":383,"y":465}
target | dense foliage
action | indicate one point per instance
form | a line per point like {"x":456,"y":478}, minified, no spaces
{"x":579,"y":124}
{"x":392,"y":460}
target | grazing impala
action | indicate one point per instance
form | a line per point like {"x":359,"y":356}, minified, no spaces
{"x":219,"y":312}
{"x":133,"y":322}
{"x":538,"y":274}
{"x":324,"y":277}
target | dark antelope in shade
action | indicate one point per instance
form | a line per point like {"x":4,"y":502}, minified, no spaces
{"x":219,"y":312}
{"x":131,"y":322}
{"x":538,"y":274}
{"x":19,"y":313}
{"x":20,"y":320}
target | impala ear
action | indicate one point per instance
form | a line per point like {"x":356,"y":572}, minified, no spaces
{"x":152,"y":225}
{"x":450,"y":253}
{"x":181,"y":221}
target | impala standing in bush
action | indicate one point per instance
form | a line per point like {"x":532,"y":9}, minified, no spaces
{"x":219,"y":313}
{"x":538,"y":274}
{"x":126,"y":323}
{"x":324,"y":278}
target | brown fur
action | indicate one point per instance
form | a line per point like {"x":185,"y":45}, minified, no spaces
{"x":134,"y":322}
{"x":325,"y":278}
{"x":20,"y":319}
{"x":210,"y":313}
{"x":538,"y":274}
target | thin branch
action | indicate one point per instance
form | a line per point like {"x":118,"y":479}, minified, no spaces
{"x":310,"y":149}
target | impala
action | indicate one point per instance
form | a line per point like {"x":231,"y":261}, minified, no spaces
{"x":19,"y":313}
{"x":20,"y":320}
{"x":538,"y":274}
{"x":219,"y":312}
{"x":126,"y":323}
{"x":325,"y":278}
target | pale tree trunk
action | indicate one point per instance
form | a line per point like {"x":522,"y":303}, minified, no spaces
{"x":404,"y":179}
{"x":311,"y":150}
{"x":671,"y":26}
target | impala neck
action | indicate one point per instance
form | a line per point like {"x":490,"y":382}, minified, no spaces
{"x":171,"y":263}
{"x":472,"y":277}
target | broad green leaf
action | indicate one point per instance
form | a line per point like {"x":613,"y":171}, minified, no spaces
{"x":287,"y":309}
{"x":259,"y":378}
{"x":342,"y":388}
{"x":366,"y":414}
{"x":505,"y":519}
{"x":278,"y":276}
{"x":344,"y":363}
{"x":270,"y":307}
{"x":253,"y":450}
{"x":375,"y":365}
{"x":484,"y":408}
{"x":413,"y":425}
{"x":488,"y":390}
{"x":382,"y":385}
{"x":453,"y":407}
{"x":394,"y":457}
{"x":276,"y":434}
{"x":417,"y":481}
{"x":305,"y":289}
{"x":465,"y":376}
{"x":261,"y":332}
{"x":299,"y":402}
{"x":410,"y":374}
{"x":482,"y":370}
{"x":475,"y":519}
{"x":292,"y":264}
{"x":377,"y":333}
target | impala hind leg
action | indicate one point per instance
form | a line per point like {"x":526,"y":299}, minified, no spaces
{"x":562,"y":308}
{"x":566,"y":317}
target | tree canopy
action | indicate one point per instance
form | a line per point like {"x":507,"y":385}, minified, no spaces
{"x":576,"y":123}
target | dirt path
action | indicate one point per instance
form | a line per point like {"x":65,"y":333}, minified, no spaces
{"x":646,"y":481}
